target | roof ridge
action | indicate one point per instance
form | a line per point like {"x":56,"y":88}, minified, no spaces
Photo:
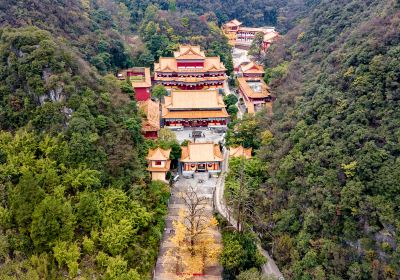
{"x":190,"y":50}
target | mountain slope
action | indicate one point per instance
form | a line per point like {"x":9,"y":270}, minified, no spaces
{"x":75,"y":197}
{"x":92,"y":27}
{"x":333,"y":193}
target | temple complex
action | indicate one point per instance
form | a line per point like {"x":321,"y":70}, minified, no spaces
{"x":201,"y":157}
{"x":140,"y":79}
{"x":240,"y":151}
{"x":190,"y":69}
{"x":151,"y":118}
{"x":242,"y":37}
{"x":158,"y":163}
{"x":194,"y":108}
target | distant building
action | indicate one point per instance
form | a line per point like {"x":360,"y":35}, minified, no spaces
{"x":269,"y":38}
{"x":231,"y":29}
{"x":251,"y":70}
{"x":151,"y":121}
{"x":255,"y":94}
{"x":252,"y":88}
{"x":240,"y":151}
{"x":140,"y":79}
{"x":194,"y":108}
{"x":242,"y":37}
{"x":158,"y":163}
{"x":190,"y":69}
{"x":201,"y":157}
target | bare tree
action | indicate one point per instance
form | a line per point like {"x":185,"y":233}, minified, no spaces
{"x":194,"y":244}
{"x":197,"y":218}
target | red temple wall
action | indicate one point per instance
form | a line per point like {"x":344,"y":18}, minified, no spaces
{"x":195,"y":123}
{"x":142,"y":93}
{"x":131,"y":73}
{"x":190,"y":64}
{"x":253,"y":75}
{"x":196,"y":87}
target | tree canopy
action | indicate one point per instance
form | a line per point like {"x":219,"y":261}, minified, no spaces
{"x":72,"y":168}
{"x":329,"y":201}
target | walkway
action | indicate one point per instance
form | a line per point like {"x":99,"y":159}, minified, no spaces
{"x":269,"y":268}
{"x":239,"y":56}
{"x":208,"y":135}
{"x":205,"y":189}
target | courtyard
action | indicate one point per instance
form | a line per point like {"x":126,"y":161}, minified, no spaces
{"x":215,"y":136}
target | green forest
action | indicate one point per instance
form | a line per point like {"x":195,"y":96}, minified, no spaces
{"x":75,"y":198}
{"x":74,"y":194}
{"x":322,"y":191}
{"x":328,"y":201}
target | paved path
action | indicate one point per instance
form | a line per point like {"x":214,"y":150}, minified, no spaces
{"x":269,"y":268}
{"x":239,"y":56}
{"x":205,"y":189}
{"x":209,"y":135}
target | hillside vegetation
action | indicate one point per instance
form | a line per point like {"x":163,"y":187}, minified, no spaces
{"x":330,"y":204}
{"x":162,"y":31}
{"x":322,"y":192}
{"x":112,"y":34}
{"x":94,"y":28}
{"x":75,"y":199}
{"x":280,"y":13}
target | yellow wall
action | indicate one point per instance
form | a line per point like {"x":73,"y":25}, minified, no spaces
{"x":158,"y":176}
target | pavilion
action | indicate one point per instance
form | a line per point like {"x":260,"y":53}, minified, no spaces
{"x":201,"y":157}
{"x":251,"y":70}
{"x":158,"y":163}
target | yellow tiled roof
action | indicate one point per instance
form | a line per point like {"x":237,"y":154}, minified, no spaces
{"x":169,"y":64}
{"x":194,"y":104}
{"x":250,"y":92}
{"x":233,"y":22}
{"x":198,"y":99}
{"x":201,"y":152}
{"x":158,"y":154}
{"x":213,"y":63}
{"x":270,"y":36}
{"x":189,"y":52}
{"x":147,"y":79}
{"x":252,"y":67}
